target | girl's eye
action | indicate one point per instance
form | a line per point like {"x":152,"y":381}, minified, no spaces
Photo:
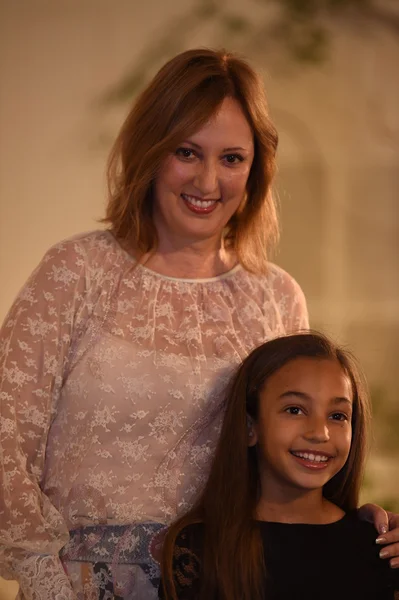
{"x":294,"y":410}
{"x":339,"y":417}
{"x":233,"y":159}
{"x":184,"y":152}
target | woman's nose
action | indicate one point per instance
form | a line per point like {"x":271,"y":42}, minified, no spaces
{"x":206,"y":179}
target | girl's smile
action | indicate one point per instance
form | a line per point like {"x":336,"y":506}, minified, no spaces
{"x":303,"y":432}
{"x":311,"y":459}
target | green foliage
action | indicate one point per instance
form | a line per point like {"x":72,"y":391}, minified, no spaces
{"x":307,"y":44}
{"x":307,"y":9}
{"x":206,"y":9}
{"x":301,"y":29}
{"x":236,"y":24}
{"x":306,"y":25}
{"x":391,"y":504}
{"x":385,"y":419}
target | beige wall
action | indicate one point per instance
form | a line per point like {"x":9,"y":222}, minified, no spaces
{"x":8,"y":589}
{"x":57,"y":58}
{"x":339,"y":128}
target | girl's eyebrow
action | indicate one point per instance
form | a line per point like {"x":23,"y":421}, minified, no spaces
{"x":301,"y":395}
{"x":343,"y":400}
{"x":306,"y":397}
{"x":232,"y":149}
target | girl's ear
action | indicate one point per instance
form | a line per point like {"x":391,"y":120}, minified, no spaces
{"x":252,"y":433}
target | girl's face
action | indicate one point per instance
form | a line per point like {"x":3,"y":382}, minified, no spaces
{"x":304,"y":427}
{"x":201,"y":185}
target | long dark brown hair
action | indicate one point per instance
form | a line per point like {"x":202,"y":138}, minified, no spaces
{"x":232,"y":561}
{"x":186,"y":92}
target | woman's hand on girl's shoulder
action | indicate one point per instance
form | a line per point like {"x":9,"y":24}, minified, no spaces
{"x":387,"y":525}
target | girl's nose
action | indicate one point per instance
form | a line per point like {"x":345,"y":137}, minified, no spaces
{"x":206,"y":179}
{"x":317,"y":430}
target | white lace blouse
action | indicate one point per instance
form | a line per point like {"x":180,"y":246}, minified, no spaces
{"x":111,"y":377}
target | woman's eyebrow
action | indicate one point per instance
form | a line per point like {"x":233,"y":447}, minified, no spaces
{"x":234,"y":149}
{"x":231,"y":149}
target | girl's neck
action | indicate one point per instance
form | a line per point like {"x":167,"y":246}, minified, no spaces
{"x":200,"y":260}
{"x":309,"y":507}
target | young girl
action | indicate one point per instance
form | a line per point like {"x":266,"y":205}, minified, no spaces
{"x":277,"y":518}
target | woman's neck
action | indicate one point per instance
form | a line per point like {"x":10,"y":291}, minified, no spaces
{"x":308,"y":507}
{"x":200,"y":260}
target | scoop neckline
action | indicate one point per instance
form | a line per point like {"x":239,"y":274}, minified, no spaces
{"x":344,"y":517}
{"x":138,"y":265}
{"x":229,"y":273}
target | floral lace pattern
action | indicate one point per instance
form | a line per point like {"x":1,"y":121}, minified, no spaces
{"x":111,"y":382}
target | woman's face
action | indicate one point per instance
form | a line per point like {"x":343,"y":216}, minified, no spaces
{"x":201,"y":185}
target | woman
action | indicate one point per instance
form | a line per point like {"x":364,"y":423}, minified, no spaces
{"x":115,"y":354}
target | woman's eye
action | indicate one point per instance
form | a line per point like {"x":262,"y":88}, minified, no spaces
{"x":294,"y":410}
{"x":185,"y":152}
{"x":339,"y":417}
{"x":233,"y":159}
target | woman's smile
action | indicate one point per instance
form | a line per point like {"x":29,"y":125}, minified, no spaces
{"x":199,"y":206}
{"x":206,"y":176}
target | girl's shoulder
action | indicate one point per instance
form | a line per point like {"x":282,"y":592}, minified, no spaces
{"x":191,"y":538}
{"x":352,"y":522}
{"x":346,"y":546}
{"x":357,"y":539}
{"x":186,"y":562}
{"x":348,"y":529}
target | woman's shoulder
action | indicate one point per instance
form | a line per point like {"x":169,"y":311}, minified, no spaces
{"x":77,"y":265}
{"x":274,"y":278}
{"x":98,"y":243}
{"x":283,"y":293}
{"x":289,"y":295}
{"x":281,"y":279}
{"x":94,"y":252}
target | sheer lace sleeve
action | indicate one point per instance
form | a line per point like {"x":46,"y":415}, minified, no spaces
{"x":186,"y":564}
{"x":291,"y":299}
{"x":34,"y":344}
